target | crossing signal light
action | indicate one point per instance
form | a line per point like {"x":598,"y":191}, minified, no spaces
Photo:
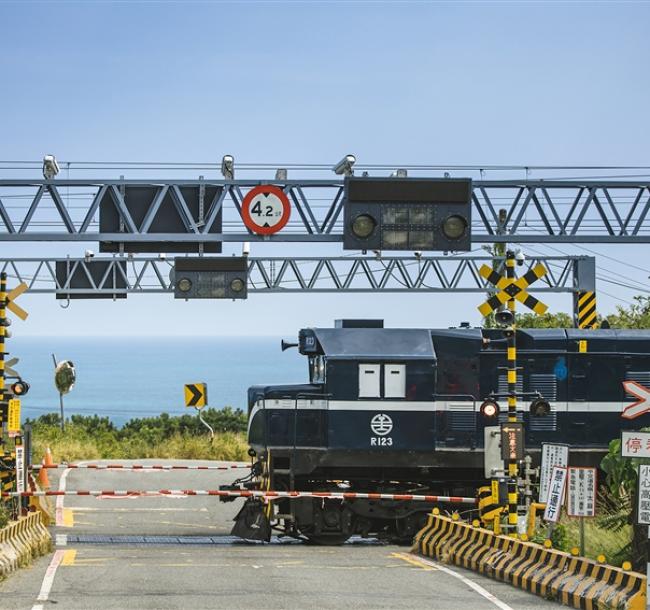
{"x":400,"y":213}
{"x":540,"y":407}
{"x":19,"y":388}
{"x":211,"y":277}
{"x":489,"y":408}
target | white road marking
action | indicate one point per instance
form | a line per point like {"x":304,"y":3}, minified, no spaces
{"x":470,"y":583}
{"x":61,"y":540}
{"x":59,"y":499}
{"x":48,"y":579}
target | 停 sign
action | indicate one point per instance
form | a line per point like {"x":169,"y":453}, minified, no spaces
{"x":555,"y":494}
{"x":552,"y":455}
{"x":581,"y":498}
{"x":643,"y":508}
{"x":635,"y":444}
{"x":512,"y":441}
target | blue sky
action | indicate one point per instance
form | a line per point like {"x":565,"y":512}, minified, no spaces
{"x":516,"y":83}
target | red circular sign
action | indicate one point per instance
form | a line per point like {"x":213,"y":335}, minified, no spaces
{"x":266,"y":209}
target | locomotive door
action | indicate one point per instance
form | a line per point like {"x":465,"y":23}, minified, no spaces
{"x":578,"y":399}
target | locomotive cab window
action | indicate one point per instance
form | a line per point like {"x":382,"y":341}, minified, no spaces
{"x":394,"y":380}
{"x":317,"y":369}
{"x":369,"y":381}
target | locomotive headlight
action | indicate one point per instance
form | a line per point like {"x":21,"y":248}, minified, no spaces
{"x":489,"y":408}
{"x":454,"y":226}
{"x":237,"y":285}
{"x":184,"y":284}
{"x":363,"y":226}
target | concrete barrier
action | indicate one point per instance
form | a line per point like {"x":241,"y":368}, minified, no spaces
{"x":574,"y":581}
{"x":21,"y":541}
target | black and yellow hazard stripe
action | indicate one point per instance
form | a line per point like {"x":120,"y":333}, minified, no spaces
{"x":586,"y":309}
{"x":575,"y":581}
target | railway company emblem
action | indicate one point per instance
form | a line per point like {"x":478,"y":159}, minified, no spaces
{"x":381,"y":424}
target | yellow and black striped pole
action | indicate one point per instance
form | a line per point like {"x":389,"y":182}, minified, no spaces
{"x":6,"y":478}
{"x":512,"y":398}
{"x":3,"y":317}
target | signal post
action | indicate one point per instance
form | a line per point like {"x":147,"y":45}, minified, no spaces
{"x":510,"y":291}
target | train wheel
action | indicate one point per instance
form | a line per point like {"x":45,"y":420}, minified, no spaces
{"x":326,"y":522}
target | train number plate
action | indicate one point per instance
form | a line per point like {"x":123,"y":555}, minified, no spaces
{"x":381,"y":441}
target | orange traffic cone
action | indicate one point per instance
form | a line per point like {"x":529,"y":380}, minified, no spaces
{"x":43,"y":480}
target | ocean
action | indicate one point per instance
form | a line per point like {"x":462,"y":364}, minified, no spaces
{"x":125,"y":377}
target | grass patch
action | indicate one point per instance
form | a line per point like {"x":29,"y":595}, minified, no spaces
{"x":164,"y":437}
{"x":599,"y":540}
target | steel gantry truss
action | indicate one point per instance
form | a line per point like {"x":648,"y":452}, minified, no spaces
{"x":133,"y":275}
{"x":542,"y":211}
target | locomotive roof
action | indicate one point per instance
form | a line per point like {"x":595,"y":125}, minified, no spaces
{"x":376,"y":343}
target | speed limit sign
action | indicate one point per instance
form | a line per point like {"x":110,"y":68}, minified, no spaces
{"x":265,"y":209}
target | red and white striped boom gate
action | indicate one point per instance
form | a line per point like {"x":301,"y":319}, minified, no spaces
{"x":244,"y":493}
{"x":140,"y":466}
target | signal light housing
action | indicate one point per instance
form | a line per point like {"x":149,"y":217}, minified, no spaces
{"x":490,"y":408}
{"x":540,"y":407}
{"x":504,"y":317}
{"x":417,"y":214}
{"x":19,"y":388}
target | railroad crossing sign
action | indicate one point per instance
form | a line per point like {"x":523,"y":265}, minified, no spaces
{"x":512,"y":289}
{"x":265,"y":209}
{"x":196,"y":395}
{"x":12,"y":295}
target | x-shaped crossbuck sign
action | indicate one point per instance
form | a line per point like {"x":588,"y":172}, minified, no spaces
{"x":12,"y":295}
{"x":512,"y":289}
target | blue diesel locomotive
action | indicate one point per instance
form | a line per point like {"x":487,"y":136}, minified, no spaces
{"x":399,"y":411}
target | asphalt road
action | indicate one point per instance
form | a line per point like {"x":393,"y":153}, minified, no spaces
{"x":115,"y":553}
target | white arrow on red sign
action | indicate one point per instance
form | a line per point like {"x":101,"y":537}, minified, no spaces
{"x":642,"y":405}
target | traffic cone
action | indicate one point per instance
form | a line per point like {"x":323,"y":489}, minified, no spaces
{"x":43,"y":480}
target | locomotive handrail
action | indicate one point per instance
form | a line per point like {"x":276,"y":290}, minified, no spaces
{"x":456,"y":396}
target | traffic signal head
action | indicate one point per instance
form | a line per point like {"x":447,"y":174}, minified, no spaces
{"x":19,"y":388}
{"x":417,"y":214}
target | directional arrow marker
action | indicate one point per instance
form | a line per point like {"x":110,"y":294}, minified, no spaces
{"x":642,"y":405}
{"x":196,"y":395}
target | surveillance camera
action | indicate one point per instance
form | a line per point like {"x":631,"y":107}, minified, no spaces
{"x":246,"y":248}
{"x":418,"y":254}
{"x":345,"y":165}
{"x":520,"y":257}
{"x":50,"y":167}
{"x":228,"y":167}
{"x":399,"y":173}
{"x":88,"y":254}
{"x":162,"y":256}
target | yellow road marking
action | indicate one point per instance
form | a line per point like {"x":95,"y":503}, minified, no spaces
{"x":68,"y":518}
{"x":413,"y":561}
{"x":68,"y":557}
